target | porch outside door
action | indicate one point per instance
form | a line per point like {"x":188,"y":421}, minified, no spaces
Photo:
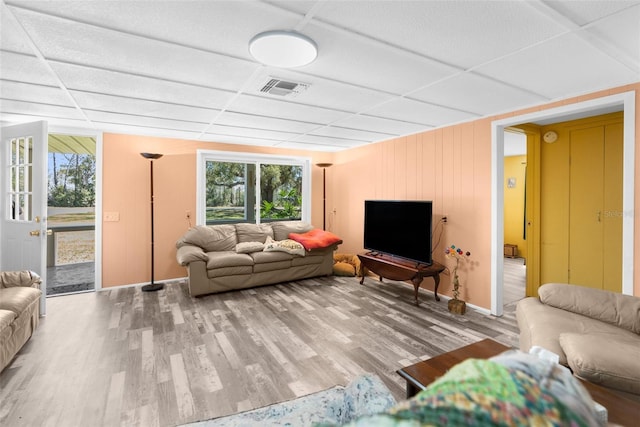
{"x":23,"y":223}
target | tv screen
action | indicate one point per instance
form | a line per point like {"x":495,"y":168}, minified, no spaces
{"x":400,"y":228}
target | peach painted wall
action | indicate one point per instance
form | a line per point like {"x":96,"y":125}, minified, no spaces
{"x":126,"y":243}
{"x":452,"y":167}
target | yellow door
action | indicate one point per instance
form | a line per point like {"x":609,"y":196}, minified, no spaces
{"x":586,"y":194}
{"x":612,"y":214}
{"x":580,"y":204}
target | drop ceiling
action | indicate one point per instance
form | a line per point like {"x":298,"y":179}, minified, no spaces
{"x":182,"y":69}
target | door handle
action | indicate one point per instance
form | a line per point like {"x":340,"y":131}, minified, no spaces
{"x":37,"y":233}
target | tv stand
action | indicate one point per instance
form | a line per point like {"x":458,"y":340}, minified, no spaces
{"x":393,"y":268}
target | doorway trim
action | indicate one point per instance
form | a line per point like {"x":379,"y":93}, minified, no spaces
{"x":591,"y":107}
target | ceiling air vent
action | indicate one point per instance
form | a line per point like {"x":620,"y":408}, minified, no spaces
{"x":279,"y":87}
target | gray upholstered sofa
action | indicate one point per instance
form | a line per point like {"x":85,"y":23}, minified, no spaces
{"x":596,"y":333}
{"x":226,"y":257}
{"x":19,"y":311}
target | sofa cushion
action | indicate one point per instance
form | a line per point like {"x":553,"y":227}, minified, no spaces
{"x":6,"y":318}
{"x":249,"y":247}
{"x":542,"y":325}
{"x":282,"y":229}
{"x":616,"y":309}
{"x":289,"y":246}
{"x":238,"y":271}
{"x":211,"y":238}
{"x":253,"y":232}
{"x":228,"y":259}
{"x":25,"y":278}
{"x":266,"y":257}
{"x":617,"y":368}
{"x":18,"y":299}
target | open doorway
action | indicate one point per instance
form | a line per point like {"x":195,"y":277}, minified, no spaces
{"x":71,"y":212}
{"x":624,"y":102}
{"x":515,"y":245}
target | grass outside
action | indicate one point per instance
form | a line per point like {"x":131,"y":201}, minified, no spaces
{"x":72,"y":218}
{"x":74,"y":247}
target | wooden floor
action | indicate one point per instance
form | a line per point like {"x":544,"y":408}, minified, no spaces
{"x":124,"y":357}
{"x":515,"y":277}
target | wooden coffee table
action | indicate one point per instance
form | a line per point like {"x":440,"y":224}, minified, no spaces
{"x":621,"y":409}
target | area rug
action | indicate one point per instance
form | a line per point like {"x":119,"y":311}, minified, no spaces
{"x":365,"y":395}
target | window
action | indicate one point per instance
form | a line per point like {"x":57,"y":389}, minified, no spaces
{"x":239,"y":187}
{"x":20,"y":184}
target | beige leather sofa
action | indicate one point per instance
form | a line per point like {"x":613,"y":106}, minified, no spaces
{"x":227,"y":257}
{"x":596,"y":333}
{"x":19,"y":311}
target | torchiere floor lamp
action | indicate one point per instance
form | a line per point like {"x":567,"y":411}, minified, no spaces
{"x":324,"y":167}
{"x":152,"y":286}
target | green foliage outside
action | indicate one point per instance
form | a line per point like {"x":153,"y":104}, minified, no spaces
{"x":72,"y":180}
{"x":231,"y":185}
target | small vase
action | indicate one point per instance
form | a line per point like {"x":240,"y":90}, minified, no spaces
{"x":457,"y":306}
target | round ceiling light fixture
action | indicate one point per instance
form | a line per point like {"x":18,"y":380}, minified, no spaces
{"x":284,"y":49}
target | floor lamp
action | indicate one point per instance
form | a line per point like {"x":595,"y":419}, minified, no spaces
{"x":152,"y":286}
{"x":324,"y":167}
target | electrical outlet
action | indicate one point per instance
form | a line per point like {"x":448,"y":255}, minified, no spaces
{"x":188,"y":214}
{"x":444,"y":219}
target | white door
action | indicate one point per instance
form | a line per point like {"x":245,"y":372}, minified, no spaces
{"x":23,"y":223}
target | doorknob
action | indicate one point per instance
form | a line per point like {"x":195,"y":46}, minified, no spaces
{"x":37,"y":233}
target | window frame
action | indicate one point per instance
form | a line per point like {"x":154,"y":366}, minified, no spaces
{"x":203,"y":156}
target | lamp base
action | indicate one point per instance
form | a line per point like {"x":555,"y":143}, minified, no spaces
{"x":152,"y":287}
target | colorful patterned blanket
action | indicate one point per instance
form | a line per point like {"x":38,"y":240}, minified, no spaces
{"x":512,"y":389}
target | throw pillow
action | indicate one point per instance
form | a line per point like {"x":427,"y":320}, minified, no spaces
{"x":289,"y":246}
{"x":249,"y":247}
{"x":315,"y":239}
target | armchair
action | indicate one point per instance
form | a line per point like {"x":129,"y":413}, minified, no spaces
{"x":19,"y":311}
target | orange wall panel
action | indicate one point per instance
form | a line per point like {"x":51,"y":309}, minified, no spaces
{"x":450,"y":166}
{"x":126,"y":244}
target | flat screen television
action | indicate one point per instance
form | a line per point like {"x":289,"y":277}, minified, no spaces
{"x":399,"y":228}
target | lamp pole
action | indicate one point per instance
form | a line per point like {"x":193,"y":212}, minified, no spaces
{"x":152,"y":286}
{"x":324,"y":167}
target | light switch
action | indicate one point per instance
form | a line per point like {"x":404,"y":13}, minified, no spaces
{"x":111,"y":216}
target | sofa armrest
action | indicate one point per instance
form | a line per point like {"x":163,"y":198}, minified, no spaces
{"x":187,"y":254}
{"x":24,"y":278}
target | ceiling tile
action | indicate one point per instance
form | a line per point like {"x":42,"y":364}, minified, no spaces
{"x":137,"y":107}
{"x":564,"y":66}
{"x":71,"y":42}
{"x":12,"y":36}
{"x":19,"y":91}
{"x":25,"y":68}
{"x":107,"y":82}
{"x":321,"y":92}
{"x":621,"y":31}
{"x":351,"y":60}
{"x":477,"y":94}
{"x":242,"y":120}
{"x":40,"y":110}
{"x":218,"y":26}
{"x":382,"y":125}
{"x":240,"y":140}
{"x":419,"y":112}
{"x":353,"y":134}
{"x":239,"y":132}
{"x":144,"y":122}
{"x":460,"y":33}
{"x":286,"y":109}
{"x":584,"y":12}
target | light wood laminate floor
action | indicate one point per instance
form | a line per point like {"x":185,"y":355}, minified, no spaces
{"x":124,"y":357}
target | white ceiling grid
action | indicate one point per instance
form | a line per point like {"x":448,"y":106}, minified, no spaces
{"x":384,"y":69}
